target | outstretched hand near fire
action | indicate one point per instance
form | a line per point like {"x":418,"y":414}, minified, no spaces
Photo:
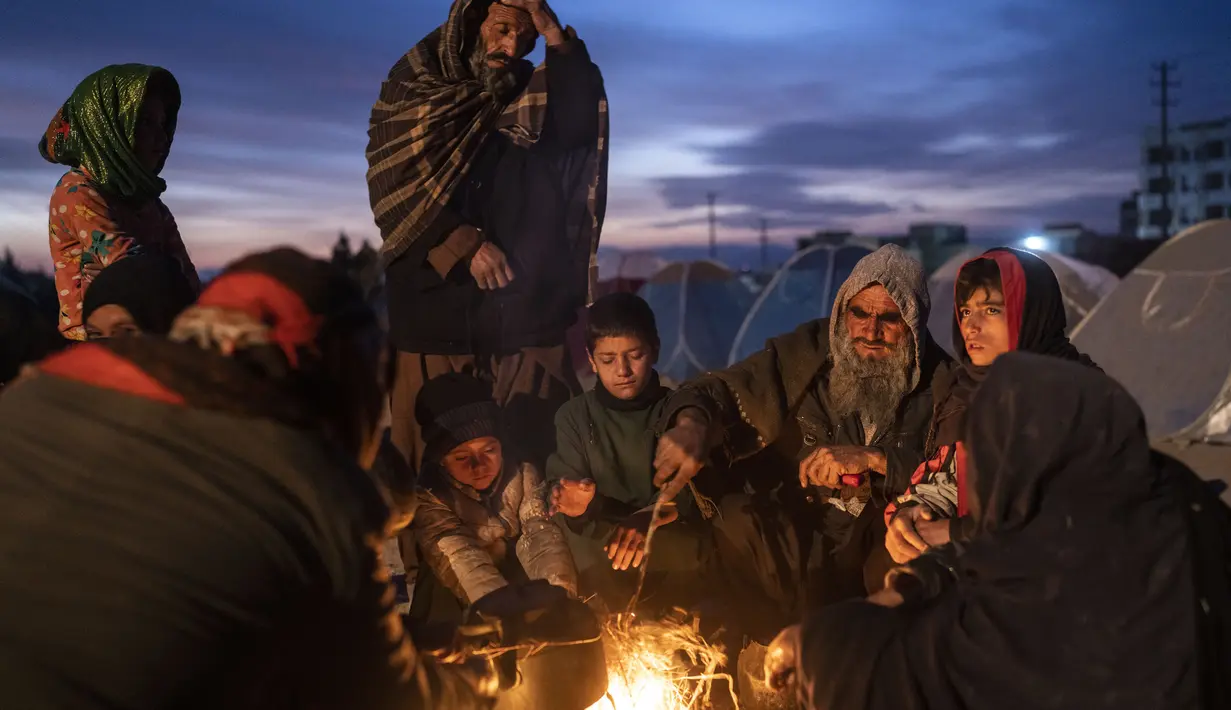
{"x":571,"y":498}
{"x":626,"y":550}
{"x":782,"y":658}
{"x":680,"y":454}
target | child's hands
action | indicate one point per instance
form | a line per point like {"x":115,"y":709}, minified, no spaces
{"x":571,"y":498}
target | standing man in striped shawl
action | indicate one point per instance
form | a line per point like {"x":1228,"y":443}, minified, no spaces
{"x":488,"y":182}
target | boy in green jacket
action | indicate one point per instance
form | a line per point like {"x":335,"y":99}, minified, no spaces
{"x":602,"y":471}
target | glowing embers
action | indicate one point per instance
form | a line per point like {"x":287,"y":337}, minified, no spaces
{"x":659,"y":665}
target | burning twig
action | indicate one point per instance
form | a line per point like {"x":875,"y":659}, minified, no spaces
{"x":645,"y":559}
{"x":659,"y":665}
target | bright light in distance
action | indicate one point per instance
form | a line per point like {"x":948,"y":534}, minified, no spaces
{"x":1036,"y":243}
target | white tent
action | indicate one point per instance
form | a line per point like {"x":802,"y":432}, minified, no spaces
{"x":698,"y":306}
{"x":1082,"y":285}
{"x":803,"y":289}
{"x":1165,"y":334}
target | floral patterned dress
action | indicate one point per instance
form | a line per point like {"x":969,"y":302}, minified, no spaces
{"x":89,"y":231}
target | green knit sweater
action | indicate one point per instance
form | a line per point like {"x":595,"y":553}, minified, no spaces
{"x":612,"y":442}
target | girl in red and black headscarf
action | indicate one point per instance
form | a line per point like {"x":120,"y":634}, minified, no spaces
{"x":1005,"y":300}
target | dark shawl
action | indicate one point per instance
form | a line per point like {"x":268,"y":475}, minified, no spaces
{"x":1034,"y":308}
{"x":26,"y":334}
{"x":1076,"y":590}
{"x":432,"y":120}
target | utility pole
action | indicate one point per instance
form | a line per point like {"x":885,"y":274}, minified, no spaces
{"x":1165,"y":102}
{"x":764,"y":245}
{"x":713,"y":197}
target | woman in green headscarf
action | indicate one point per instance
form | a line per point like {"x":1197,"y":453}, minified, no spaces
{"x":115,"y":133}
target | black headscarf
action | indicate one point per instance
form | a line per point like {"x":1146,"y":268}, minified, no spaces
{"x":151,"y":287}
{"x":1075,"y":592}
{"x":1034,"y":308}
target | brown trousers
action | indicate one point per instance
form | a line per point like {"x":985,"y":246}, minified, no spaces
{"x":530,"y":385}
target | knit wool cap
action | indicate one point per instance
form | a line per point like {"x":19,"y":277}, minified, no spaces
{"x":452,"y":410}
{"x":151,"y":287}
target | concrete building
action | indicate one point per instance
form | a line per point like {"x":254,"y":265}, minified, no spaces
{"x":1199,"y":171}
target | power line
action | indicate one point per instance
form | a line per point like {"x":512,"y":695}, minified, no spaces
{"x":1164,"y":103}
{"x":713,"y":197}
{"x":764,"y":245}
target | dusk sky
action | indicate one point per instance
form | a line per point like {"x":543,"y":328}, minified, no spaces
{"x":868,"y":115}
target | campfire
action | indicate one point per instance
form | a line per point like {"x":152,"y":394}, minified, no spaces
{"x":658,"y":665}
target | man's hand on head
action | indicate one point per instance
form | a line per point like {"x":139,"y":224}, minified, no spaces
{"x":828,"y":464}
{"x":680,"y":454}
{"x":545,"y":20}
{"x":490,"y":268}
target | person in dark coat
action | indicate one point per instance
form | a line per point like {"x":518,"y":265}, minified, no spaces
{"x":488,"y":182}
{"x":602,"y":471}
{"x":1095,"y":576}
{"x":841,"y":407}
{"x":1006,"y":300}
{"x":26,"y":334}
{"x":141,"y":293}
{"x":186,"y":522}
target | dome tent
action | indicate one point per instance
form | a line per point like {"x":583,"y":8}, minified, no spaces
{"x":803,"y":289}
{"x":699,"y":306}
{"x":1165,"y":334}
{"x":1082,"y":285}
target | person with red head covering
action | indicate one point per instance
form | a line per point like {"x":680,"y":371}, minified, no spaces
{"x":1006,"y":300}
{"x":210,"y":537}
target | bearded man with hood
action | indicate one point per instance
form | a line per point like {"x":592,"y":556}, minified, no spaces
{"x":842,"y":406}
{"x":487,"y":178}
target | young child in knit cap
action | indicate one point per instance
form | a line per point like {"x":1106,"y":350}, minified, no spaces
{"x":482,"y":521}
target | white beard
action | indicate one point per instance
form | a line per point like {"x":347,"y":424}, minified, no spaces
{"x":873,"y":389}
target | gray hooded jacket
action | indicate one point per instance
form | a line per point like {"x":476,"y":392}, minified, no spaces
{"x":777,"y":399}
